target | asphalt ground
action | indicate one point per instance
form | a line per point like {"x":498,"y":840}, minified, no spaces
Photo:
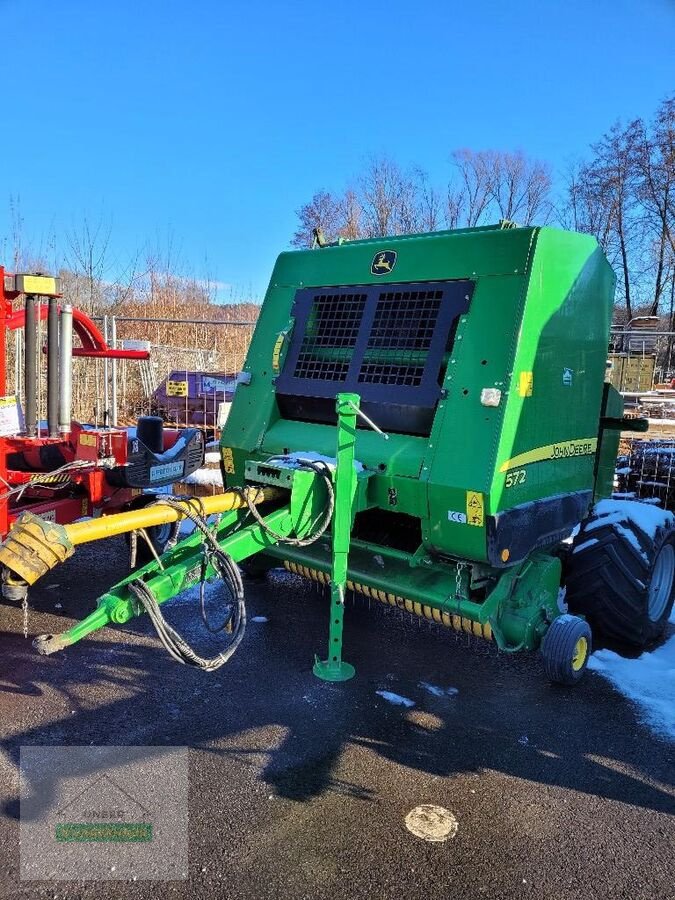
{"x":300,"y":788}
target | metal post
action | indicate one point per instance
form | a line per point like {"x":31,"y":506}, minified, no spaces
{"x":344,"y":480}
{"x":53,"y":368}
{"x":17,"y":365}
{"x":106,"y":378}
{"x":66,"y":369}
{"x":30,"y":364}
{"x":113,"y":344}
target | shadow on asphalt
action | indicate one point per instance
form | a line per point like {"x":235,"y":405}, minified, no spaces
{"x":121,"y":688}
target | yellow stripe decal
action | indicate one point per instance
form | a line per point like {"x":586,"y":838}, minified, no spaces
{"x":563,"y":450}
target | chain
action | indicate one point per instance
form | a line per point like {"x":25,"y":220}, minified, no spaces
{"x":458,"y":580}
{"x":24,"y":607}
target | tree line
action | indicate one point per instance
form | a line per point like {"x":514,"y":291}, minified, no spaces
{"x":151,"y":285}
{"x":622,"y":192}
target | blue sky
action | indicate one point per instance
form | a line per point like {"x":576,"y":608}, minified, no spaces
{"x":211,"y":122}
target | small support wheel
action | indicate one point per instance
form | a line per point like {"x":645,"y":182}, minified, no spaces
{"x":566,"y":649}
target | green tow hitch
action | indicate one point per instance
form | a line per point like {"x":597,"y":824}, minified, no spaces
{"x":189,"y":563}
{"x":179,"y":569}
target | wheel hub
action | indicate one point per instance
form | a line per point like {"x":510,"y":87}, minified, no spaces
{"x":661,"y":585}
{"x":580,"y":653}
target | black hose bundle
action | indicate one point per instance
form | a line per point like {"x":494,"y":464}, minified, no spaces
{"x":227,"y":570}
{"x":322,"y":469}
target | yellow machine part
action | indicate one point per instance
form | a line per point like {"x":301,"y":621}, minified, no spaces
{"x":147,"y":516}
{"x":34,"y":546}
{"x":423,"y":610}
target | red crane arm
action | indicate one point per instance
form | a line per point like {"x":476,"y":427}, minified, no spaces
{"x":93,"y":343}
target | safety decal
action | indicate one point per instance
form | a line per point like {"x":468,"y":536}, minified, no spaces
{"x":228,"y":460}
{"x":475,"y":508}
{"x":526,"y":384}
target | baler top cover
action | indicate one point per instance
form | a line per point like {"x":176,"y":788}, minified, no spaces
{"x":481,"y":352}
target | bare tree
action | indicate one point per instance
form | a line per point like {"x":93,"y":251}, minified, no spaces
{"x":351,"y":214}
{"x":656,"y":161}
{"x":603,"y":195}
{"x":87,"y":262}
{"x":323,"y":211}
{"x":475,"y":171}
{"x":428,"y":202}
{"x":520,"y":188}
{"x":381,"y":190}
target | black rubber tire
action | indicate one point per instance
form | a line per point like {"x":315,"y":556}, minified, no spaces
{"x":559,"y":649}
{"x":608,"y":582}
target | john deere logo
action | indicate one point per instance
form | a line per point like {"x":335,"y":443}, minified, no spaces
{"x":383,"y":262}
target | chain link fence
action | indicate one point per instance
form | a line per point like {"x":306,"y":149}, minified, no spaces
{"x":109,"y":391}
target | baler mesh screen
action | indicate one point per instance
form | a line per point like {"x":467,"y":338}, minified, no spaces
{"x":387,"y":342}
{"x":400,"y":337}
{"x":330,"y":337}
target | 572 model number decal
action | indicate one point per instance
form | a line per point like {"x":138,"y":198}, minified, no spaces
{"x":517,"y":476}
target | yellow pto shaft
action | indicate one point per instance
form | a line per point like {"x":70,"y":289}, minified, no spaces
{"x":34,"y":546}
{"x":121,"y":523}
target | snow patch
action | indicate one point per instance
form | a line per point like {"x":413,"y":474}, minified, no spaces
{"x":649,"y":681}
{"x":396,"y":699}
{"x":438,"y":691}
{"x":575,"y":532}
{"x":210,"y":477}
{"x":645,"y":516}
{"x":588,"y":543}
{"x":212,"y":456}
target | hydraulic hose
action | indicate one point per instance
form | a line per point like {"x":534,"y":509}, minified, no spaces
{"x":227,"y":570}
{"x":320,"y":468}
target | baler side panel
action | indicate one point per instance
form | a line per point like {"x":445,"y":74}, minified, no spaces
{"x":465,"y":434}
{"x":548,"y":439}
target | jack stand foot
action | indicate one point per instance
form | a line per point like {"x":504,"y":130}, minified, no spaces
{"x":327,"y":670}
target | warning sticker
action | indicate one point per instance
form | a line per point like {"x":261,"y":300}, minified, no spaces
{"x":228,"y":460}
{"x":526,"y":384}
{"x":276,"y":352}
{"x":176,"y":389}
{"x":475,"y":508}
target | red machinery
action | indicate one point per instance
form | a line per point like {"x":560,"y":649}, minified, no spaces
{"x":66,"y":470}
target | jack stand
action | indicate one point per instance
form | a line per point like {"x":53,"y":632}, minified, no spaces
{"x":334,"y":668}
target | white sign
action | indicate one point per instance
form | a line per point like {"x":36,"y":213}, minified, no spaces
{"x":211,"y":385}
{"x":10,"y":421}
{"x":166,"y":471}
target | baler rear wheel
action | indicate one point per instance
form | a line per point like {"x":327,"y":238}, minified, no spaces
{"x":623,"y":581}
{"x":565,"y":649}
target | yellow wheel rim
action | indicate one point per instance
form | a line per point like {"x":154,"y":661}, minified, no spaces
{"x":580,"y":654}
